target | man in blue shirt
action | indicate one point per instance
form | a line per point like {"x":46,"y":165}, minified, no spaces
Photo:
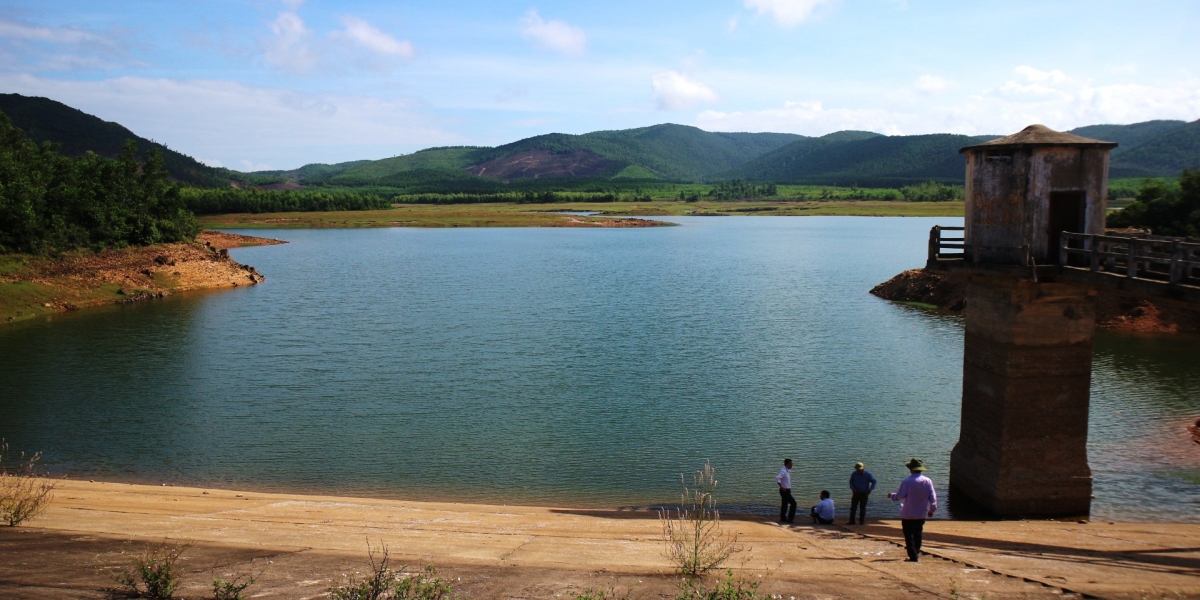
{"x":861,"y":486}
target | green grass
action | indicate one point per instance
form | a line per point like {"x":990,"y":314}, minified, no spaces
{"x":542,"y":215}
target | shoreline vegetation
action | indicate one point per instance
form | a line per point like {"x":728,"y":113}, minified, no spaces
{"x":299,"y":546}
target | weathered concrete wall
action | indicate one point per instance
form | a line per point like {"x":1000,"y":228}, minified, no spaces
{"x":1027,"y":367}
{"x":996,"y":206}
{"x":1065,"y":169}
{"x":1008,"y":199}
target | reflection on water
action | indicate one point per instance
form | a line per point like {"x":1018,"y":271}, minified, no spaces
{"x":557,"y":366}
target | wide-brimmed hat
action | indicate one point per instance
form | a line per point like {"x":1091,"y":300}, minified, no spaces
{"x":859,"y":466}
{"x":915,"y":464}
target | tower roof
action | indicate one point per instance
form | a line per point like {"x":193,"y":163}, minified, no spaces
{"x":1040,"y":135}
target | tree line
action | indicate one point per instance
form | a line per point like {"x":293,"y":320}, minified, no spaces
{"x":1164,"y":209}
{"x":52,"y":203}
{"x":230,"y":200}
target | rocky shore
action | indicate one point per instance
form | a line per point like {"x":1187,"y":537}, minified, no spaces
{"x":34,"y":286}
{"x":1115,"y":311}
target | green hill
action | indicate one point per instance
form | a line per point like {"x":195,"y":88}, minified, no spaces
{"x":1127,"y":136}
{"x":77,"y":133}
{"x":862,"y":158}
{"x":668,"y":151}
{"x":1166,"y":154}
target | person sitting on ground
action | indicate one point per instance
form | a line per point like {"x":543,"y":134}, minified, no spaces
{"x":861,"y":486}
{"x":823,"y":512}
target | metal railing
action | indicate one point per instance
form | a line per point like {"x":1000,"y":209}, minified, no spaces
{"x":1170,"y":260}
{"x":939,"y":241}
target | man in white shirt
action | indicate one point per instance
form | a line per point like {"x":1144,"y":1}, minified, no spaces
{"x":787,"y":508}
{"x":823,"y":512}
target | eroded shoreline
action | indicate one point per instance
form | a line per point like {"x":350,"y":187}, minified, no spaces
{"x":35,"y":286}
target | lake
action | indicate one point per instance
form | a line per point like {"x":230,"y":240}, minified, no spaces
{"x":569,"y":367}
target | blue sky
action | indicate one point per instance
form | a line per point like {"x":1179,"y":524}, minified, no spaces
{"x":279,"y":83}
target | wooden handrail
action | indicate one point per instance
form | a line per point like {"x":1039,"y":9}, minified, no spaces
{"x":1174,"y":261}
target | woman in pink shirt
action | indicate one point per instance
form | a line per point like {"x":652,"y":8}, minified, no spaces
{"x":919,"y":501}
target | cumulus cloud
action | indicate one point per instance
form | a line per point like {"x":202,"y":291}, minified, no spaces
{"x":1031,"y":95}
{"x":291,"y":45}
{"x":786,"y":12}
{"x":275,"y":126}
{"x":555,"y":35}
{"x":359,"y":44}
{"x":932,"y":84}
{"x":250,"y":166}
{"x":674,"y":91}
{"x":367,"y":36}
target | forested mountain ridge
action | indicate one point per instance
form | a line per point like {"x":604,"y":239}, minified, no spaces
{"x":864,"y":158}
{"x":77,"y":133}
{"x":1163,"y":155}
{"x":666,"y":152}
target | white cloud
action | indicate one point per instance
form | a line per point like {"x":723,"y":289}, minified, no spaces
{"x":674,"y":91}
{"x":553,"y":35}
{"x":291,"y":46}
{"x":932,"y":84}
{"x":1032,"y":75}
{"x":24,"y":46}
{"x":13,"y":30}
{"x":250,"y":166}
{"x":786,"y":12}
{"x":1051,"y":97}
{"x":277,"y":126}
{"x":808,"y":118}
{"x":365,"y":35}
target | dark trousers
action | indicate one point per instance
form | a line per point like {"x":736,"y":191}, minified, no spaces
{"x":912,"y":536}
{"x":858,"y":502}
{"x":787,"y":506}
{"x":812,"y":512}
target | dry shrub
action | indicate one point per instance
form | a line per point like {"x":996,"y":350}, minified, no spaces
{"x":695,"y":541}
{"x":384,"y":583}
{"x":723,"y":588}
{"x":25,"y":491}
{"x":152,"y":574}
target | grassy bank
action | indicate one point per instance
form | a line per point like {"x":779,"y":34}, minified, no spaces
{"x":547,"y":215}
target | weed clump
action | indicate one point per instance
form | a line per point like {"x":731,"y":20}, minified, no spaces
{"x":25,"y":491}
{"x":723,"y":588}
{"x":152,"y":574}
{"x":695,"y":542}
{"x":384,"y":583}
{"x":231,"y":589}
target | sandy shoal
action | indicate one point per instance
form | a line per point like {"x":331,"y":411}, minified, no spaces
{"x":305,"y":543}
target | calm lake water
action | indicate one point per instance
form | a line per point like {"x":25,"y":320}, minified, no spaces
{"x":573,"y":367}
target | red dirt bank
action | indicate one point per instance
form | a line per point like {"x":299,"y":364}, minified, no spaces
{"x":1115,"y":311}
{"x":37,"y":286}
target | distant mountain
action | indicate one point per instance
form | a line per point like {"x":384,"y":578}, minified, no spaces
{"x":1127,"y":136}
{"x":670,"y":152}
{"x":666,"y":152}
{"x":1166,"y":154}
{"x":862,"y":158}
{"x":77,"y":133}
